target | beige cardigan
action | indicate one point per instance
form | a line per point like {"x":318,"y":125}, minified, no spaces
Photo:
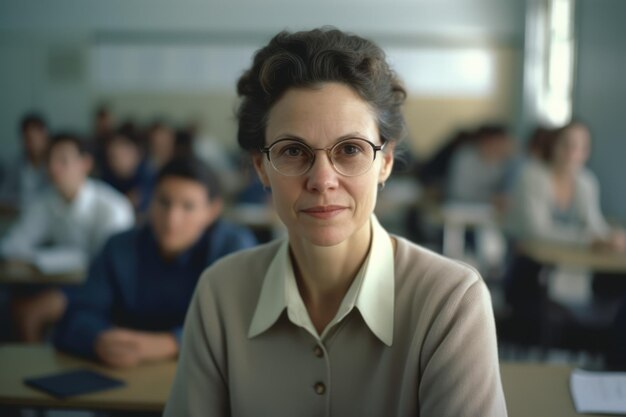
{"x":442,"y":362}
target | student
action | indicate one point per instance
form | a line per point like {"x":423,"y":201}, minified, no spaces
{"x":77,"y":213}
{"x":555,"y":201}
{"x":161,"y":145}
{"x":24,"y":178}
{"x":132,"y":307}
{"x":480,"y":171}
{"x":128,"y":170}
{"x":339,"y":315}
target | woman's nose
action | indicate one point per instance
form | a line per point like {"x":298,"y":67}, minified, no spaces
{"x":322,"y":176}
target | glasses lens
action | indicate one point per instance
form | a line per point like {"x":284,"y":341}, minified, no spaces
{"x":290,"y":157}
{"x":352,"y":157}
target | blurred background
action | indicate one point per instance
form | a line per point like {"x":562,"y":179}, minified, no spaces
{"x":464,"y":62}
{"x":469,"y":66}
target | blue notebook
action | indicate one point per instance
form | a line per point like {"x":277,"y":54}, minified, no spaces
{"x":67,"y":384}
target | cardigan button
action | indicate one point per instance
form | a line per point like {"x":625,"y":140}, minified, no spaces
{"x":320,"y":388}
{"x":319,"y":352}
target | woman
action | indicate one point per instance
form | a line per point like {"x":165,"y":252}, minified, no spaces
{"x":339,"y":318}
{"x":556,"y":201}
{"x":560,"y":201}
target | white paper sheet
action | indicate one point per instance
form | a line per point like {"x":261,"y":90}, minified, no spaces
{"x":59,"y":260}
{"x":598,"y":392}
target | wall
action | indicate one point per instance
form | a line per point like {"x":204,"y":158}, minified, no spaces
{"x":600,"y":94}
{"x":35,"y":36}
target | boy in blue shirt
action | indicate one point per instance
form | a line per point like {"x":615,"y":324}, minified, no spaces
{"x":133,"y":305}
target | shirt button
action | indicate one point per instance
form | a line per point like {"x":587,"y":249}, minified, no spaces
{"x":320,"y":388}
{"x":319,"y":352}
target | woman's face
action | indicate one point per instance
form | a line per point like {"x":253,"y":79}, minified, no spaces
{"x":572,"y":148}
{"x":322,"y":206}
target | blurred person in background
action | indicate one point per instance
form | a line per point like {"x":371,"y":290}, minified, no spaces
{"x":24,"y":178}
{"x":103,"y":127}
{"x":132,"y":307}
{"x":161,"y":145}
{"x":213,"y":152}
{"x":557,"y":201}
{"x":77,"y":213}
{"x":481,"y":170}
{"x":433,"y":173}
{"x":128,"y":170}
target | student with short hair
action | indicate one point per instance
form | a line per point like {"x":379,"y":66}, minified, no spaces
{"x":24,"y":177}
{"x":77,"y":213}
{"x":133,"y":305}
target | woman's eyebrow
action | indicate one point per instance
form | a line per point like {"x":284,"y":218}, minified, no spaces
{"x":350,"y":135}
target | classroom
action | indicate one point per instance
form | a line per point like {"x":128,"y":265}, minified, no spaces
{"x":346,"y":208}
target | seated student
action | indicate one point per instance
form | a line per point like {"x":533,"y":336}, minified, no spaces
{"x":480,"y":170}
{"x":134,"y":303}
{"x":78,"y":213}
{"x":24,"y":178}
{"x":103,"y":124}
{"x":161,"y":145}
{"x":127,"y":170}
{"x":557,"y":201}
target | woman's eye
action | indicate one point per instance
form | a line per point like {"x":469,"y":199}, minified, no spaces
{"x":292,"y":151}
{"x":350,"y":149}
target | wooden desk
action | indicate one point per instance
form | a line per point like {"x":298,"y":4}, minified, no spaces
{"x":538,"y":390}
{"x":147,"y":387}
{"x":555,"y":254}
{"x":24,"y":273}
{"x":531,"y":390}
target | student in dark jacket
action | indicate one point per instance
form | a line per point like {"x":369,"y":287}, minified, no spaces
{"x":132,"y":307}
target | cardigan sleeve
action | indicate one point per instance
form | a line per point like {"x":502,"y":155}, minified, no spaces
{"x":200,"y":387}
{"x":461,"y":374}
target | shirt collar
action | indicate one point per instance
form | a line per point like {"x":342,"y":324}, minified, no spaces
{"x":372,"y":292}
{"x":81,"y":203}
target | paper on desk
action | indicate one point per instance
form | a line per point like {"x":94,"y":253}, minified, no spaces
{"x":59,"y":260}
{"x":598,"y":392}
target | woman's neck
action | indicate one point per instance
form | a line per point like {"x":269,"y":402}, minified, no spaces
{"x":324,"y":274}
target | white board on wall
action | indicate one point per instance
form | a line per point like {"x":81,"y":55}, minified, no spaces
{"x":428,"y":71}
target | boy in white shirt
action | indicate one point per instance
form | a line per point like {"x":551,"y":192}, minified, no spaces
{"x":77,"y":213}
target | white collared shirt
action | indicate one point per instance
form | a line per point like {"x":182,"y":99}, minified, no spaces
{"x":85,"y":223}
{"x":371,"y":292}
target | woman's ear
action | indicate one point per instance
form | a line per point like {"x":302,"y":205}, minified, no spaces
{"x":387,"y":162}
{"x":258,"y":160}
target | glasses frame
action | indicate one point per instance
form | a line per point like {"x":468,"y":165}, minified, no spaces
{"x":267,"y":149}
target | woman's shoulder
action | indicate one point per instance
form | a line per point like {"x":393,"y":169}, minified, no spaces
{"x":243,"y":268}
{"x":587,"y":179}
{"x":428,"y":273}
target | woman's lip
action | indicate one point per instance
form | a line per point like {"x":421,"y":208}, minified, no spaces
{"x":322,"y":209}
{"x":323,"y":212}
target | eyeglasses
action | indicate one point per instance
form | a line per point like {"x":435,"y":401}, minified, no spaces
{"x":350,"y":157}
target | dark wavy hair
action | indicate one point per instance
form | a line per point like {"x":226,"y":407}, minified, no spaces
{"x":307,"y":59}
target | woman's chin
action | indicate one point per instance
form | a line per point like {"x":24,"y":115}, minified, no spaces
{"x":324,"y":236}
